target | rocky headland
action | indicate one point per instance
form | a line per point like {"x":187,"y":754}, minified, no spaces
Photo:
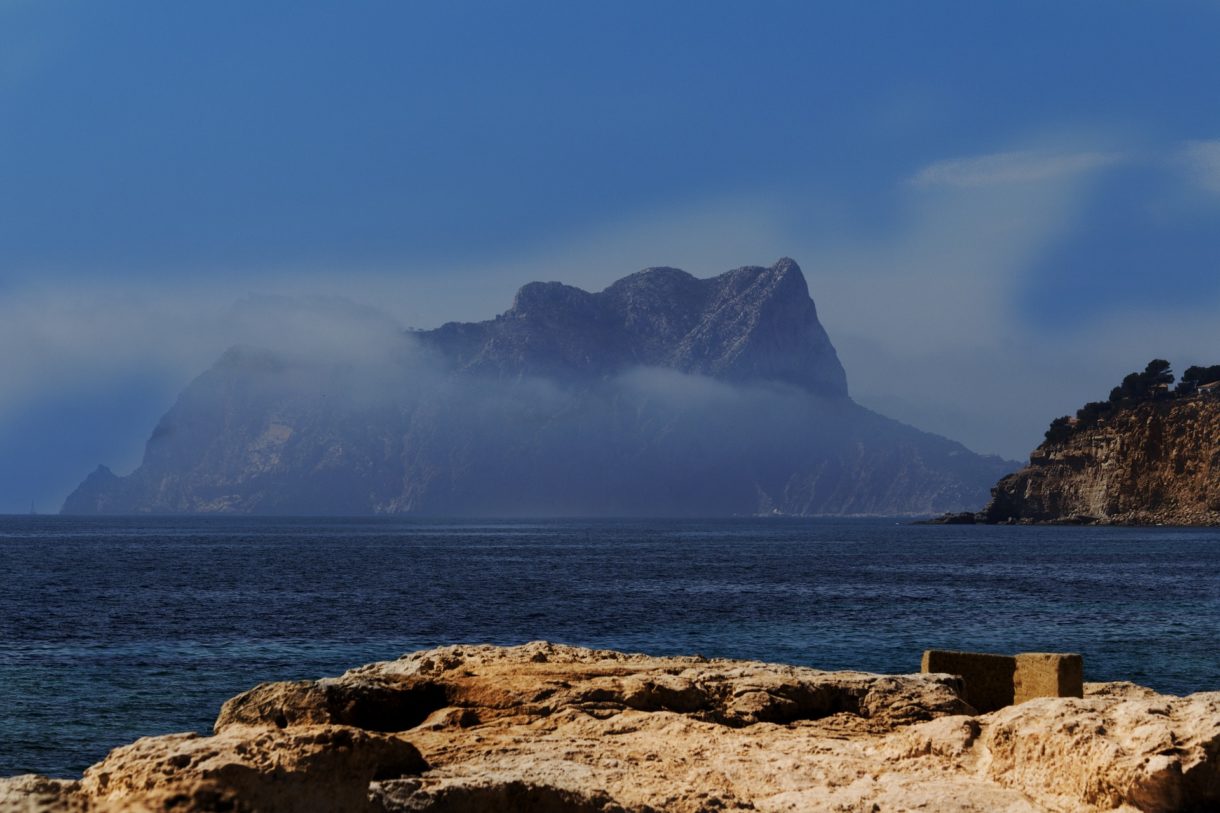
{"x":544,"y":727}
{"x":662,"y":395}
{"x":1150,"y":455}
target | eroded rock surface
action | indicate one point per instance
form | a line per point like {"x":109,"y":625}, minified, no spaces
{"x":544,"y":727}
{"x":481,"y":684}
{"x":1155,"y":463}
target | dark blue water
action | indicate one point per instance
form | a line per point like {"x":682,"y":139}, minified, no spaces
{"x":113,"y":629}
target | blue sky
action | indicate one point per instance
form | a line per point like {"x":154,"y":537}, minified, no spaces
{"x":1000,"y":207}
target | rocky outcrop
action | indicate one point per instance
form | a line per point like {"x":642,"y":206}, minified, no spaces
{"x":753,"y":324}
{"x":663,"y":395}
{"x":1157,"y":462}
{"x":543,"y":727}
{"x":309,"y":768}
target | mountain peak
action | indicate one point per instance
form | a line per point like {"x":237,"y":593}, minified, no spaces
{"x":786,"y":265}
{"x":784,"y":279}
{"x":549,"y":297}
{"x":750,"y":324}
{"x":656,"y":276}
{"x":545,"y":411}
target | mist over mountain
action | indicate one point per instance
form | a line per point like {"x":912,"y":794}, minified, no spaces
{"x":664,"y":394}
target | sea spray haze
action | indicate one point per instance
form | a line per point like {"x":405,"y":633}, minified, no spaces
{"x":661,"y":395}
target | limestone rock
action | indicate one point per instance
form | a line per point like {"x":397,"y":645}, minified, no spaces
{"x":1155,"y":754}
{"x":309,"y":768}
{"x":543,"y":727}
{"x":991,"y":682}
{"x":33,"y":794}
{"x":542,"y":679}
{"x":1153,"y":463}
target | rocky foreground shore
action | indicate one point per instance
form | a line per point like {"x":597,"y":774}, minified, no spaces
{"x":544,"y":727}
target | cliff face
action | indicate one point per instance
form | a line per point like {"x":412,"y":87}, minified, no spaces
{"x":748,"y":325}
{"x":661,"y":395}
{"x":1156,"y":462}
{"x":546,"y":727}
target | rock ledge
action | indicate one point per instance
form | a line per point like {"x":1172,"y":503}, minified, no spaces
{"x":545,"y":727}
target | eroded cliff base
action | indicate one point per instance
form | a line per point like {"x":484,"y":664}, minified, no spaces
{"x":544,"y":727}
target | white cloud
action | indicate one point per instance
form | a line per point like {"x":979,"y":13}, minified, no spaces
{"x":1016,"y":167}
{"x":81,"y":338}
{"x":925,"y":316}
{"x":1203,"y":160}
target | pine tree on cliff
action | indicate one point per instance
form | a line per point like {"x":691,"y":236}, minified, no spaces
{"x":1153,"y":382}
{"x":1196,"y":377}
{"x":1140,"y":386}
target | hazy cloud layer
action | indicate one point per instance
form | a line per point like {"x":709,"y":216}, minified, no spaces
{"x":929,"y":319}
{"x":922,"y":308}
{"x":1203,"y":160}
{"x":56,"y":342}
{"x":1021,"y":166}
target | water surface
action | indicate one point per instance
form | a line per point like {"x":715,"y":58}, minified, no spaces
{"x":111,"y":629}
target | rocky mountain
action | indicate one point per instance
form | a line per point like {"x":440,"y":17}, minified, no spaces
{"x":661,"y":395}
{"x":1157,"y":462}
{"x":749,"y":325}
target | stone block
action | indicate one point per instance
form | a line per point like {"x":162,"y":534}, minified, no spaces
{"x":992,"y":682}
{"x":987,"y":679}
{"x":1047,"y":674}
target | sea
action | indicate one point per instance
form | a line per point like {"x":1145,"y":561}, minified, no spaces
{"x":116,"y":628}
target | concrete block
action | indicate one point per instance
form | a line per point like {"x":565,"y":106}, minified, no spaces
{"x":1047,"y":674}
{"x":987,"y":679}
{"x":992,"y":682}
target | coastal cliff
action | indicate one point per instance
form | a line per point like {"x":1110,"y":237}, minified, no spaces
{"x":1148,"y":461}
{"x":662,"y":395}
{"x":546,"y":727}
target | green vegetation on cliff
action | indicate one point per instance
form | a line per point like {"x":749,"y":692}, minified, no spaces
{"x":1150,"y":455}
{"x":1153,"y":384}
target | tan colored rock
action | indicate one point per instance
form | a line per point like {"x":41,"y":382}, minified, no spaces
{"x":1154,"y":463}
{"x":1120,"y":689}
{"x":1047,"y":674}
{"x":310,"y":768}
{"x":1153,"y":754}
{"x":991,"y":682}
{"x":540,"y":679}
{"x":545,"y":728}
{"x":987,"y":680}
{"x":33,"y":794}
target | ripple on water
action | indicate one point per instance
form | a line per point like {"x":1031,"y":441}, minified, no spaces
{"x":116,"y":628}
